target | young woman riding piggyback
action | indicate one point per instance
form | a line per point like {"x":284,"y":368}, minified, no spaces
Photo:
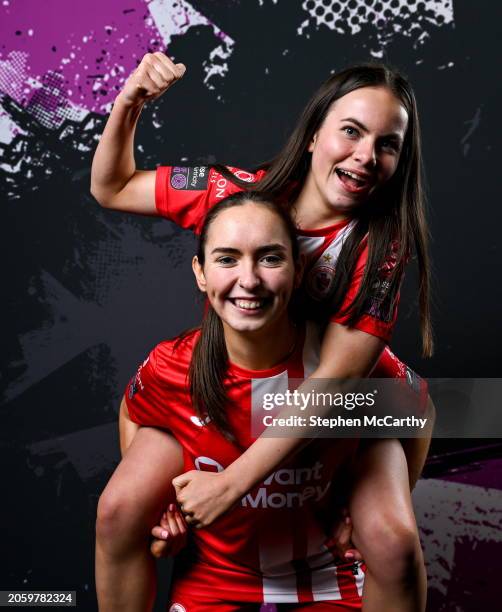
{"x":350,"y":176}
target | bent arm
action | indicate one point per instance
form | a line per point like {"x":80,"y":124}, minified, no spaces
{"x":345,"y":353}
{"x":115,"y":181}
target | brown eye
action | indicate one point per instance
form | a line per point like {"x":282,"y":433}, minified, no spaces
{"x":272,"y":260}
{"x":226,"y":260}
{"x":390,"y":144}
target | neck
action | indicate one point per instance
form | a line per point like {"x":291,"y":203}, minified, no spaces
{"x":263,"y":349}
{"x":311,"y":211}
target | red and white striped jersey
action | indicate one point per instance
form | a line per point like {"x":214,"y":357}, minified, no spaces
{"x":184,"y":195}
{"x":274,"y":546}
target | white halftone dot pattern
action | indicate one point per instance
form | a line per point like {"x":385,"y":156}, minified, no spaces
{"x":407,"y":17}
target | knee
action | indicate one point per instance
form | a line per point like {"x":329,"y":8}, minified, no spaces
{"x":392,"y":548}
{"x":118,"y":521}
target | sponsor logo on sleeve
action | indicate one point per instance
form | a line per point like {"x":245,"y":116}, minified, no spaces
{"x":136,"y":384}
{"x":190,"y":179}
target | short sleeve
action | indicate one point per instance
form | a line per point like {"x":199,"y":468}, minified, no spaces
{"x":185,"y":194}
{"x":146,"y":395}
{"x":379,"y":315}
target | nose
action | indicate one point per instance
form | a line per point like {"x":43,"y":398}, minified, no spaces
{"x":248,"y":277}
{"x":365,"y":152}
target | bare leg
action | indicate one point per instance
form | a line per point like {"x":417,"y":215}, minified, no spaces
{"x":385,"y":530}
{"x":128,"y":508}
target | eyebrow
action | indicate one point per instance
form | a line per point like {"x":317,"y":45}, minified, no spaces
{"x":365,"y":128}
{"x":276,"y":246}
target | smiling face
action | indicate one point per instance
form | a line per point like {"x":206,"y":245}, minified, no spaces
{"x":248,"y":272}
{"x":355,"y":151}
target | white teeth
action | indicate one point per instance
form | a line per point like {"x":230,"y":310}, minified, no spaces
{"x":352,"y":175}
{"x":247,"y":305}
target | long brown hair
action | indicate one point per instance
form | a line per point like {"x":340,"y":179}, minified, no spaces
{"x":209,"y":363}
{"x":397,"y":217}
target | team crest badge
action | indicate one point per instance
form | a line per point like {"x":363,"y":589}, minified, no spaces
{"x":320,"y":281}
{"x":176,"y":607}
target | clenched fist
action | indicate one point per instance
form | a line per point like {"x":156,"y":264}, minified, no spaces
{"x":152,"y":77}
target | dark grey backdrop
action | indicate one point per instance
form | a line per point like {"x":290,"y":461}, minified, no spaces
{"x":88,"y":292}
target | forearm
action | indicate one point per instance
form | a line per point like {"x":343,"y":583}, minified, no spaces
{"x":347,"y":355}
{"x":114,"y":165}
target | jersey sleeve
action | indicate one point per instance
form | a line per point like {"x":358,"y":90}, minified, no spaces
{"x":146,"y":394}
{"x":390,"y":366}
{"x":379,"y":315}
{"x":185,"y":194}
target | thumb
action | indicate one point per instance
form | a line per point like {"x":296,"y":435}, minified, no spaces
{"x":181,"y":481}
{"x":181,"y":70}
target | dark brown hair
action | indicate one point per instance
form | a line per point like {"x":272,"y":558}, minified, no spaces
{"x":395,"y":219}
{"x":209,"y":363}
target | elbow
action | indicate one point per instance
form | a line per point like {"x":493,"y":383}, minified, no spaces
{"x":101,"y":196}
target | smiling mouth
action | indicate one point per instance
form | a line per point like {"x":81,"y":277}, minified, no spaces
{"x":250,"y":304}
{"x":352,"y":181}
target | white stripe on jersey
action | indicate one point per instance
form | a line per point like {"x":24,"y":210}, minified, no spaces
{"x":309,"y":244}
{"x":279,"y":580}
{"x":335,"y":247}
{"x":261,"y":386}
{"x":320,"y":559}
{"x":359,"y":580}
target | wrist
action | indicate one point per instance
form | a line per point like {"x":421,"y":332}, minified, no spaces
{"x":233,"y":483}
{"x":125,"y":103}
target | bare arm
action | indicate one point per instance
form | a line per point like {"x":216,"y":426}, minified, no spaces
{"x":345,"y":353}
{"x":115,"y":181}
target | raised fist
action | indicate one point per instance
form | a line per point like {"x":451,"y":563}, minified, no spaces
{"x":152,"y":77}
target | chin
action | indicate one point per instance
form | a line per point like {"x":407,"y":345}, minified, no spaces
{"x":240,"y":325}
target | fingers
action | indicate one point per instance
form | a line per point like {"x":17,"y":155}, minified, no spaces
{"x":180,"y":481}
{"x":166,"y":66}
{"x":345,"y":534}
{"x":170,"y":535}
{"x":177,"y":526}
{"x":155,"y":73}
{"x":352,"y":554}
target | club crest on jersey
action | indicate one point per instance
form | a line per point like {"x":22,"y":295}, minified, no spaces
{"x":320,"y":280}
{"x":177,"y":607}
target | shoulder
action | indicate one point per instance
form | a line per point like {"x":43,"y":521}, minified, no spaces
{"x":170,"y":360}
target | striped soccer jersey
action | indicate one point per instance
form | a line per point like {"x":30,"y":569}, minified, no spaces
{"x":274,"y":546}
{"x":184,"y":195}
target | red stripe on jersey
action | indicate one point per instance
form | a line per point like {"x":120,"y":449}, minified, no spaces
{"x":347,"y":583}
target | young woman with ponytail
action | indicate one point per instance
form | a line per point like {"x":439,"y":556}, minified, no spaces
{"x":276,"y":545}
{"x":350,"y":177}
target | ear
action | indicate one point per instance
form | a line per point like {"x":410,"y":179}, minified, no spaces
{"x":312,"y":143}
{"x":199,"y":274}
{"x":300,"y":267}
